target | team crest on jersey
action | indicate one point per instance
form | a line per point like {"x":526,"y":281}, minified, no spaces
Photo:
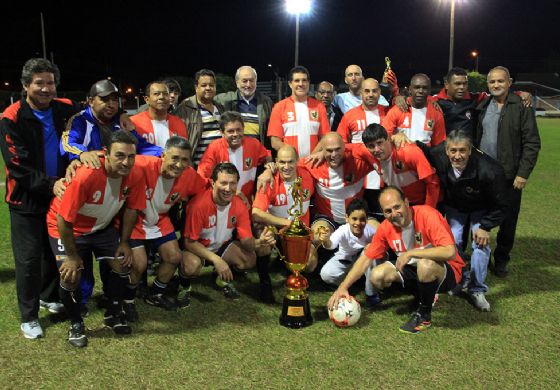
{"x":149,"y":193}
{"x":418,"y":238}
{"x":174,"y":196}
{"x":248,"y":162}
{"x":399,"y":165}
{"x":468,"y":115}
{"x":126,"y":191}
{"x":233,"y":221}
{"x":314,"y":115}
{"x":349,"y":178}
{"x":431,"y":124}
{"x":305,"y":193}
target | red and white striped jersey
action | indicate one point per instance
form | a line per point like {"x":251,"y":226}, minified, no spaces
{"x":158,"y":132}
{"x":161,"y":194}
{"x":246,"y":159}
{"x":300,"y":125}
{"x":278,"y":199}
{"x":336,"y":187}
{"x":213,"y":225}
{"x":419,"y":124}
{"x":92,"y":199}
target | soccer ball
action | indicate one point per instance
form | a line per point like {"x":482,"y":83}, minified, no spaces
{"x":346,"y":313}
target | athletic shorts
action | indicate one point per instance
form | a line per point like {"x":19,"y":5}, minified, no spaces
{"x":102,"y":243}
{"x":153,"y":243}
{"x":409,"y":278}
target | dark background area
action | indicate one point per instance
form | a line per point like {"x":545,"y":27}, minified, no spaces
{"x":135,"y":42}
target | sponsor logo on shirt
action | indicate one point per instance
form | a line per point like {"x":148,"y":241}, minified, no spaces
{"x":418,"y":238}
{"x":430,"y":124}
{"x":314,"y":115}
{"x":248,"y":162}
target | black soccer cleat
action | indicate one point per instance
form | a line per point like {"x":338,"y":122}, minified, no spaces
{"x":162,"y":301}
{"x":130,"y":312}
{"x":416,"y":324}
{"x":117,"y":323}
{"x":77,"y":336}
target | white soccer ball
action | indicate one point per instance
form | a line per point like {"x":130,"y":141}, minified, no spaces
{"x":346,"y":313}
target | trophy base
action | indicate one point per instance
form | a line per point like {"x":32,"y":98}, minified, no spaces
{"x":296,"y":313}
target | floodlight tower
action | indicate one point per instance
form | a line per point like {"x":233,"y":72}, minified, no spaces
{"x":297,"y":8}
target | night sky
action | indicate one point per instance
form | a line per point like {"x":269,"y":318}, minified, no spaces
{"x":135,"y":42}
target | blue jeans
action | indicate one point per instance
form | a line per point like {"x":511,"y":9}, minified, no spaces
{"x":480,"y":255}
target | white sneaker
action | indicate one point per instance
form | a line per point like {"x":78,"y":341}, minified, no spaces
{"x":479,"y":301}
{"x":31,"y":330}
{"x":53,"y":307}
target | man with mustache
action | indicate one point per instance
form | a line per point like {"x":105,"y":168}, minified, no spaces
{"x":427,"y":262}
{"x":507,"y":131}
{"x":325,"y":94}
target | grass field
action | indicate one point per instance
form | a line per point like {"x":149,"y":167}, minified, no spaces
{"x":215,"y":344}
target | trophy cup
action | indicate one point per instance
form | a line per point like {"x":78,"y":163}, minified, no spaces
{"x":296,"y":245}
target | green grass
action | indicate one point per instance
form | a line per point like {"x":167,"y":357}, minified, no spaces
{"x":215,"y":344}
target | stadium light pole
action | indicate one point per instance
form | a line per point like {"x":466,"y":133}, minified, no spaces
{"x":297,"y":8}
{"x":451,"y":33}
{"x":474,"y":54}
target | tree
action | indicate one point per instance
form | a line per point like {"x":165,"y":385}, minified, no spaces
{"x":477,"y":82}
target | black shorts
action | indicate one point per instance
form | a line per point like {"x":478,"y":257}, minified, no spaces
{"x":102,"y":243}
{"x":153,"y":243}
{"x":409,"y":278}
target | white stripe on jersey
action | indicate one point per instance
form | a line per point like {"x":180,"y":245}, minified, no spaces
{"x":302,"y":128}
{"x":219,"y":233}
{"x":400,"y":180}
{"x":104,"y":212}
{"x":337,"y":192}
{"x":245,"y":176}
{"x":156,"y":206}
{"x":416,"y":130}
{"x":161,"y":132}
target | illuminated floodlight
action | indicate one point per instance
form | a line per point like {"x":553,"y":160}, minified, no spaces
{"x":298,"y":7}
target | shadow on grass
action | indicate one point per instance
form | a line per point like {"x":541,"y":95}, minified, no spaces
{"x":7,"y":275}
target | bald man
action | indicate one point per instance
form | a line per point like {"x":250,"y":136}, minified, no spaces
{"x":421,"y":122}
{"x":353,"y":78}
{"x":254,"y":106}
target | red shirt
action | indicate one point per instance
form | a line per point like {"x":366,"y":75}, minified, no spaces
{"x":299,"y":124}
{"x":424,"y":124}
{"x":161,"y":194}
{"x":92,"y":199}
{"x":409,"y":170}
{"x":278,"y":199}
{"x":246,"y":159}
{"x":355,"y":121}
{"x":430,"y":230}
{"x":335,"y":188}
{"x":213,"y":225}
{"x":158,"y":132}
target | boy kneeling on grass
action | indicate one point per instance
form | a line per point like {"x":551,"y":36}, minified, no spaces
{"x":350,"y":238}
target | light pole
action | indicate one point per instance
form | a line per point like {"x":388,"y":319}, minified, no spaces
{"x":297,"y":7}
{"x":474,"y":53}
{"x":451,"y":33}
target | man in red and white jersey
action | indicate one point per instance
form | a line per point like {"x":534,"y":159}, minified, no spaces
{"x":169,"y":180}
{"x":212,"y":218}
{"x":271,"y":206}
{"x":299,"y":120}
{"x":246,"y":153}
{"x":422,"y":122}
{"x":81,"y":223}
{"x":406,"y":168}
{"x":427,"y":261}
{"x":156,"y":125}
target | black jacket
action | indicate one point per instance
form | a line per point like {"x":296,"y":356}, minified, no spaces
{"x":28,"y":188}
{"x":461,"y":115}
{"x":480,"y":187}
{"x":518,"y":137}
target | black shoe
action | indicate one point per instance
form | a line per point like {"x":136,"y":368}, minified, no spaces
{"x":266,"y":295}
{"x":84,"y":311}
{"x":230,"y":292}
{"x":500,"y":270}
{"x":77,"y":336}
{"x":130,"y":312}
{"x":416,"y":324}
{"x":183,"y":297}
{"x":160,"y":300}
{"x":118,"y":323}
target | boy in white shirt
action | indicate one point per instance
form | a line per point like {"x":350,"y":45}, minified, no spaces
{"x":350,"y":238}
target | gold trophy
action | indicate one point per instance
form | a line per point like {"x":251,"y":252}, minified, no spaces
{"x":296,"y":245}
{"x":387,"y":64}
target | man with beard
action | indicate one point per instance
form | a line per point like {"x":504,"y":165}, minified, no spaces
{"x":427,"y":262}
{"x":254,"y":106}
{"x":507,"y":131}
